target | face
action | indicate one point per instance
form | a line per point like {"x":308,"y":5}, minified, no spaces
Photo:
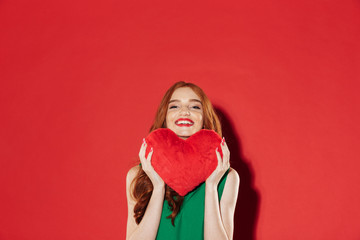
{"x":185,"y":113}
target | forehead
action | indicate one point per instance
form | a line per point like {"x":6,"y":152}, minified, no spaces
{"x":184,"y":93}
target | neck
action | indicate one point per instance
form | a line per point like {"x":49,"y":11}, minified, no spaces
{"x":183,"y":137}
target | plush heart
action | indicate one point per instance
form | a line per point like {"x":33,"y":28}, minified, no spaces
{"x":183,"y":164}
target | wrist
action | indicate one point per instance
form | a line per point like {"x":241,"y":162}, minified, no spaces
{"x":159,"y":188}
{"x":210,"y":186}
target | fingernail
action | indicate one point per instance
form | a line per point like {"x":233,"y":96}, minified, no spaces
{"x":143,"y":140}
{"x":151,"y":149}
{"x":217,"y":149}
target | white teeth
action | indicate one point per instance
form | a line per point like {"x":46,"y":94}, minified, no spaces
{"x":184,"y":122}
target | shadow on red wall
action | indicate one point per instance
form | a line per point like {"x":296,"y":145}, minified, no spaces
{"x":246,"y":212}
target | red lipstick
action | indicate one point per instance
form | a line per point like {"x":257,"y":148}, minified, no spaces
{"x":184,"y":122}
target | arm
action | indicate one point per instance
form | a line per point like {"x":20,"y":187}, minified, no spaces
{"x":148,"y":227}
{"x":219,"y":217}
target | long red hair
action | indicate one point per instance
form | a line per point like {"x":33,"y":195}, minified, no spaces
{"x":141,"y":185}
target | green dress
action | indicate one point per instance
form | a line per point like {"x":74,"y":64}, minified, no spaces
{"x":189,"y":222}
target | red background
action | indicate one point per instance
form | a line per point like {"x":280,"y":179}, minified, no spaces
{"x":81,"y":81}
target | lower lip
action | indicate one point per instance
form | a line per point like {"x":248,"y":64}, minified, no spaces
{"x":184,"y":125}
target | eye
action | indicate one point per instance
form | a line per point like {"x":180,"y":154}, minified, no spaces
{"x":196,"y":107}
{"x":172,"y":107}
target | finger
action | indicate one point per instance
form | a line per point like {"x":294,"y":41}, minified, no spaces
{"x":223,"y":145}
{"x":218,"y":156}
{"x":142,"y":144}
{"x":226,"y":148}
{"x":226,"y":155}
{"x":226,"y":162}
{"x":141,"y":152}
{"x":150,"y":155}
{"x":225,"y":151}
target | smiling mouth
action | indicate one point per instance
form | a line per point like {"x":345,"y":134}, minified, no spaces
{"x":184,"y":123}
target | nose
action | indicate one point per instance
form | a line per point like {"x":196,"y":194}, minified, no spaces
{"x":184,"y":111}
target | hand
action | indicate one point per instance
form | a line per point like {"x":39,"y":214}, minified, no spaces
{"x":222,"y":167}
{"x":148,"y":168}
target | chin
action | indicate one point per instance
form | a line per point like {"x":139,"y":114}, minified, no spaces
{"x":185,"y":134}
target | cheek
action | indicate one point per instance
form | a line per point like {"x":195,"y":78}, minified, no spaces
{"x":201,"y":119}
{"x":169,"y":118}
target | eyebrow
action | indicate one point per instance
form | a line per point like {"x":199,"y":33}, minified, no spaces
{"x":191,"y":100}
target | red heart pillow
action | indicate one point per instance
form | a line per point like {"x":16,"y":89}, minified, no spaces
{"x":183,"y":164}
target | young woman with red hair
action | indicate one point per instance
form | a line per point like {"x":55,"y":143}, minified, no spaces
{"x":155,"y":211}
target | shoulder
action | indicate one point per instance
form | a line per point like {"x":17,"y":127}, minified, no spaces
{"x":131,"y":174}
{"x":233,"y":177}
{"x":129,"y":178}
{"x":231,"y":188}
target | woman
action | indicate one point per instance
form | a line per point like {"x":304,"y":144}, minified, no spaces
{"x":205,"y":213}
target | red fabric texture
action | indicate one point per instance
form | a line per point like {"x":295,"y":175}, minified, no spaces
{"x":183,"y":164}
